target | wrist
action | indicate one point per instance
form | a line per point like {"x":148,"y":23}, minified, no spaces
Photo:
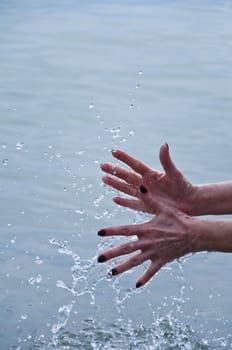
{"x":195,"y":200}
{"x":203,"y":201}
{"x":203,"y":235}
{"x":211,"y":235}
{"x":212,"y":199}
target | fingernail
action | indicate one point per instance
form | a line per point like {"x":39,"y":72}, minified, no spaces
{"x":138,"y":284}
{"x":101,"y":233}
{"x":114,"y":272}
{"x":143,"y":189}
{"x":101,"y":259}
{"x":167,"y":145}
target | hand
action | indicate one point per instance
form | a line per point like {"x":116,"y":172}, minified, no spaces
{"x":166,"y":237}
{"x":149,"y":186}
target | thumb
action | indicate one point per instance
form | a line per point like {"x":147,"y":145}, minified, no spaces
{"x":167,"y":163}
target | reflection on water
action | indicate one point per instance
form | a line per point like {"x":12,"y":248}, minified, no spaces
{"x":78,"y":79}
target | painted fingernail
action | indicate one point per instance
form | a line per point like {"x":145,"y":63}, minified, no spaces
{"x":143,"y":189}
{"x":114,"y":272}
{"x":101,"y":259}
{"x":138,"y":284}
{"x":101,"y":233}
{"x":167,"y":145}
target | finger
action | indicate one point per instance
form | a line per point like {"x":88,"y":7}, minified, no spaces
{"x":123,"y":230}
{"x":120,"y":186}
{"x":124,"y":174}
{"x":133,"y":204}
{"x":167,"y":163}
{"x":128,"y":264}
{"x":123,"y":249}
{"x":134,"y":163}
{"x":151,"y":271}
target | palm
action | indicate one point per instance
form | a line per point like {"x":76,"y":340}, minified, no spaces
{"x":168,"y":187}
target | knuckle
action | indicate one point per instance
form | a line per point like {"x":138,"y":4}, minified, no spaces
{"x":135,"y":261}
{"x":124,"y":231}
{"x":127,"y":248}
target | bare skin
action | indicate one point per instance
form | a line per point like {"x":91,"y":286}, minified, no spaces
{"x":169,"y":186}
{"x":172,"y":233}
{"x":168,"y":236}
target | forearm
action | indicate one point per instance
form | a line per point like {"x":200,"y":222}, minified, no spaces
{"x":211,"y":235}
{"x":213,"y":199}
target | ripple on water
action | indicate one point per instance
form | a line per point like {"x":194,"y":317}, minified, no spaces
{"x":165,"y":334}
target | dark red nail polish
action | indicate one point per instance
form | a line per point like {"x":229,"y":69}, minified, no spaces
{"x":143,"y":189}
{"x":138,"y":284}
{"x":101,"y":233}
{"x":114,"y":272}
{"x":101,"y":259}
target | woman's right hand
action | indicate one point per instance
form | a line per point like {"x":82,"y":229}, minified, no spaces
{"x":168,"y":236}
{"x":148,"y":186}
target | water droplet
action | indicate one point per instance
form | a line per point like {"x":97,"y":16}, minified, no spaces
{"x":99,"y":119}
{"x":13,"y":240}
{"x":91,"y":105}
{"x":65,"y":250}
{"x":131,"y":133}
{"x":38,"y":260}
{"x":61,"y":284}
{"x":3,"y":145}
{"x":140,"y":72}
{"x":58,"y":155}
{"x":53,"y":241}
{"x":131,"y":105}
{"x":137,"y":86}
{"x":79,"y":153}
{"x":24,"y":316}
{"x":4,"y":161}
{"x":79,"y":211}
{"x":97,"y":216}
{"x":19,"y":145}
{"x":98,"y":200}
{"x":37,"y":279}
{"x":50,"y":146}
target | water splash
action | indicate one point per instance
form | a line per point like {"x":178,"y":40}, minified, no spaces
{"x":35,"y":280}
{"x":165,"y":334}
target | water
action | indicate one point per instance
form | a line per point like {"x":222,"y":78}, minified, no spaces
{"x":78,"y":79}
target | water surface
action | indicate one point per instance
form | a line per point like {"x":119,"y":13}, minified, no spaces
{"x":78,"y":79}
